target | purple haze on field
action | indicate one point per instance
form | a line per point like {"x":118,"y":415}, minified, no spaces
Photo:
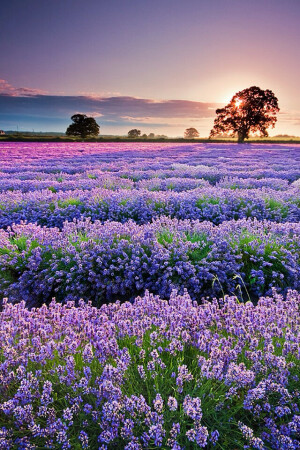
{"x":51,"y":183}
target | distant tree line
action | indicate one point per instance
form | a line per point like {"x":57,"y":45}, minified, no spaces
{"x":252,"y":110}
{"x":134,"y":133}
{"x":84,"y":127}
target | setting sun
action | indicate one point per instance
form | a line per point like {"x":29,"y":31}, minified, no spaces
{"x":238,"y":102}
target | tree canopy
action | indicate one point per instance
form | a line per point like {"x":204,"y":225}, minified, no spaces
{"x":83,"y":126}
{"x":191,"y":133}
{"x":251,"y":110}
{"x":134,"y":133}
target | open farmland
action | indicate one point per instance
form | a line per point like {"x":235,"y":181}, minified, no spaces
{"x":176,"y":368}
{"x":107,"y":221}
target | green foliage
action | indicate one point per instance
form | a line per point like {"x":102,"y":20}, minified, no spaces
{"x":170,"y":186}
{"x":165,"y":237}
{"x":200,"y":202}
{"x":69,"y":202}
{"x":133,"y":134}
{"x":83,"y":126}
{"x":277,"y":206}
{"x":159,"y":205}
{"x":52,"y":189}
{"x":124,"y":201}
{"x":17,"y":253}
{"x":203,"y":248}
{"x":261,"y":253}
{"x":191,"y":133}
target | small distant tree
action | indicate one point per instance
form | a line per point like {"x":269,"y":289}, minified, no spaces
{"x":191,"y":133}
{"x":251,"y":110}
{"x":83,"y":126}
{"x":151,"y":135}
{"x":134,"y":133}
{"x":144,"y":136}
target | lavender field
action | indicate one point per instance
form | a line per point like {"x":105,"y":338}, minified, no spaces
{"x":150,"y":296}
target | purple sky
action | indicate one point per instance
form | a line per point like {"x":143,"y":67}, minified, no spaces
{"x":161,"y":65}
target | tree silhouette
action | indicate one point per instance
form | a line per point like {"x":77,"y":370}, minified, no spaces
{"x":83,"y":126}
{"x":191,"y":133}
{"x":134,"y":133}
{"x":251,"y":110}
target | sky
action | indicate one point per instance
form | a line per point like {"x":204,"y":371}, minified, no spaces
{"x":157,"y":65}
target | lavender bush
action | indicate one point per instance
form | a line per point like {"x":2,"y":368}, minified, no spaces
{"x":207,"y":203}
{"x":101,"y":262}
{"x":88,"y":224}
{"x":52,"y":183}
{"x":151,"y":374}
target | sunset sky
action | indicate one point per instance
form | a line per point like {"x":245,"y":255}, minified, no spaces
{"x":159,"y":65}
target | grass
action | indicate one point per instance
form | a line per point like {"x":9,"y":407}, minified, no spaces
{"x":165,"y":237}
{"x":69,"y":202}
{"x":203,"y":249}
{"x":258,"y":253}
{"x":53,"y":138}
{"x":221,"y":410}
{"x":52,"y":189}
{"x":200,"y":202}
{"x":16,"y":257}
{"x":276,"y":206}
{"x":124,"y":202}
{"x":210,"y":391}
{"x":159,"y":205}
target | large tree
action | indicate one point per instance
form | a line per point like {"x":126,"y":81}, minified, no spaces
{"x":134,"y":133}
{"x":83,"y":126}
{"x":251,"y":110}
{"x":191,"y":133}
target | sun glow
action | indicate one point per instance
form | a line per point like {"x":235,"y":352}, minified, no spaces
{"x":238,"y":102}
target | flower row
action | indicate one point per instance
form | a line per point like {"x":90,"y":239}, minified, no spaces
{"x":64,"y":182}
{"x":151,"y":374}
{"x":148,"y":160}
{"x":207,"y":203}
{"x":101,"y":262}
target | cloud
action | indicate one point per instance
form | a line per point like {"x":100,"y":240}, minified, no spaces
{"x":98,"y":95}
{"x":292,"y":117}
{"x":9,"y":90}
{"x":22,"y":104}
{"x":163,"y":121}
{"x":145,"y":109}
{"x":94,"y":114}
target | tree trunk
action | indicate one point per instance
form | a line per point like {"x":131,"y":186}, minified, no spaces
{"x":241,"y":136}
